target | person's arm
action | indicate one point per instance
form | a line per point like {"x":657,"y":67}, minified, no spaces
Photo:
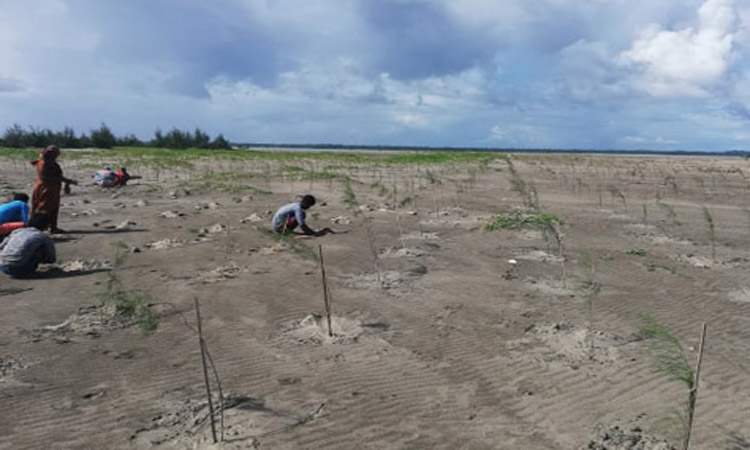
{"x":299,"y":215}
{"x":308,"y":231}
{"x":24,"y":213}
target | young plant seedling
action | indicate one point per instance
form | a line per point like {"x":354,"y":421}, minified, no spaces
{"x":672,"y":361}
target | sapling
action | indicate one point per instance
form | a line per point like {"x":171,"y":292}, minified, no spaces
{"x":672,"y":361}
{"x":592,"y":289}
{"x":616,"y":193}
{"x":373,"y":249}
{"x":711,"y":231}
{"x":670,"y":212}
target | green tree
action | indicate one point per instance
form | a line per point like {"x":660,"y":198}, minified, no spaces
{"x":103,"y":137}
{"x":14,"y":136}
{"x":220,"y":143}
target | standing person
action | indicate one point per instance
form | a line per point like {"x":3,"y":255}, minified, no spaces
{"x":288,"y":217}
{"x":46,"y":194}
{"x":26,"y":248}
{"x":16,"y":210}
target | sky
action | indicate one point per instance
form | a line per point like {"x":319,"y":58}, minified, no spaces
{"x":565,"y":74}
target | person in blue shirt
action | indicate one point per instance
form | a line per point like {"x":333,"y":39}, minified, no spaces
{"x":16,"y":210}
{"x":290,"y":216}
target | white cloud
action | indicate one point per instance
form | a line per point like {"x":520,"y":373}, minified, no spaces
{"x":658,"y":140}
{"x":686,"y":62}
{"x":518,"y":134}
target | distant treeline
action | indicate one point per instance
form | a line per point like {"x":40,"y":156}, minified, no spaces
{"x":102,"y":137}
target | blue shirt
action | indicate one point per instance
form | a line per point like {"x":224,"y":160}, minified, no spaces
{"x":15,"y":211}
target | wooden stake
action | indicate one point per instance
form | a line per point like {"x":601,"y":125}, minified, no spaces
{"x":205,"y":369}
{"x":326,"y":300}
{"x":693,"y":396}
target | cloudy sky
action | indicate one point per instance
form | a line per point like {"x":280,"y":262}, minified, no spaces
{"x":607,"y":74}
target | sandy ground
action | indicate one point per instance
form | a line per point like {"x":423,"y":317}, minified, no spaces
{"x":439,"y":342}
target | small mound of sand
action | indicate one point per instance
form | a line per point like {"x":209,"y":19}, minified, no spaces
{"x":218,"y":274}
{"x":573,"y":345}
{"x":252,"y":218}
{"x":81,"y":265}
{"x":164,"y":244}
{"x":8,"y":365}
{"x":620,"y":218}
{"x":86,"y":321}
{"x":273,"y":249}
{"x":171,"y":214}
{"x":552,"y":287}
{"x":183,"y":418}
{"x":421,"y":236}
{"x":385,"y":279}
{"x":538,"y":255}
{"x":618,"y":437}
{"x":183,"y":422}
{"x":402,"y":252}
{"x":740,"y":295}
{"x":313,"y":329}
{"x":217,"y":228}
{"x":342,"y":220}
{"x":696,"y":261}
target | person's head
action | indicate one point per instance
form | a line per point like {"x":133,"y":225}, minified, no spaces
{"x":20,"y":197}
{"x":307,"y":201}
{"x":39,"y":220}
{"x":124,"y":170}
{"x":50,"y":153}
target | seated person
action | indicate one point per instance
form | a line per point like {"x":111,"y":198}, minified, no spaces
{"x":288,"y":217}
{"x":109,"y":178}
{"x":26,"y":248}
{"x":16,"y":210}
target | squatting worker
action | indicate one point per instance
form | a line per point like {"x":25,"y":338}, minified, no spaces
{"x":24,"y":249}
{"x":16,"y":210}
{"x":288,"y":217}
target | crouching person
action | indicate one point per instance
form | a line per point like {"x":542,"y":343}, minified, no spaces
{"x":24,"y":249}
{"x":288,"y":217}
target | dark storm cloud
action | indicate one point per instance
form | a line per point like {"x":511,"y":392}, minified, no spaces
{"x":416,"y":40}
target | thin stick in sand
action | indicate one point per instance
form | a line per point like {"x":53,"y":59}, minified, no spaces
{"x":205,"y":370}
{"x":326,"y":300}
{"x":693,"y":397}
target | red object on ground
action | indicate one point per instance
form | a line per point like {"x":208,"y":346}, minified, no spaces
{"x":7,"y":228}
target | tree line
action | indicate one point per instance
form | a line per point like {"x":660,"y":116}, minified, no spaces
{"x":17,"y":137}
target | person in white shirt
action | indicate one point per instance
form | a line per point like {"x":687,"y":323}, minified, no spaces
{"x":290,"y":216}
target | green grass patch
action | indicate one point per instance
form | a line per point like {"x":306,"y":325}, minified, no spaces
{"x":518,"y":220}
{"x":132,"y":305}
{"x":297,"y":247}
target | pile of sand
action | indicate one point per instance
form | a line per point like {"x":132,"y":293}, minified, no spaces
{"x":164,"y":244}
{"x":82,"y":265}
{"x":313,"y":329}
{"x":572,"y":345}
{"x":385,"y":279}
{"x":221,"y":273}
{"x":8,"y":365}
{"x":618,"y":437}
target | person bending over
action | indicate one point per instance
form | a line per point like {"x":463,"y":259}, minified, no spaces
{"x":290,"y":216}
{"x":16,"y":210}
{"x":26,"y":248}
